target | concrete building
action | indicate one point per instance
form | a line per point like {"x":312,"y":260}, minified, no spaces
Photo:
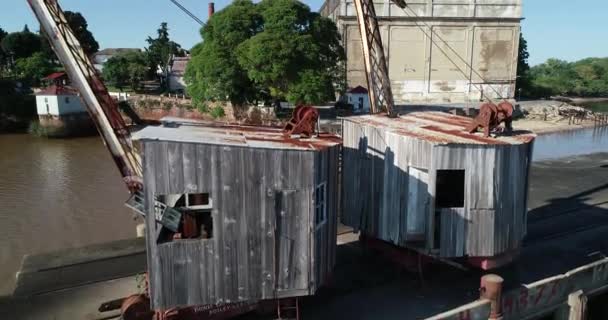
{"x":432,"y":44}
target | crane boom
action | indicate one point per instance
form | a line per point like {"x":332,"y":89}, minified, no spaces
{"x":376,"y":70}
{"x":100,"y":105}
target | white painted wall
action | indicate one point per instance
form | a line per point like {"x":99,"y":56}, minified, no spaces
{"x":58,"y":105}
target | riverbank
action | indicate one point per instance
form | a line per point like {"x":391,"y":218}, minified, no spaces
{"x":16,"y":112}
{"x":550,"y":116}
{"x":581,"y":100}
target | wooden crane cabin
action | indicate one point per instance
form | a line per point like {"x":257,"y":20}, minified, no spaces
{"x":421,"y":181}
{"x":241,"y":213}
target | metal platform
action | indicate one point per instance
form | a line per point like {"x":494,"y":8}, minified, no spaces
{"x":568,"y":225}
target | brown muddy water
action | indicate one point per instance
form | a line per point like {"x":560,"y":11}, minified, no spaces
{"x":57,"y":194}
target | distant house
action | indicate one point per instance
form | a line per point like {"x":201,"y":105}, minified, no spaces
{"x":58,"y":100}
{"x":176,"y":74}
{"x":60,"y":111}
{"x":102,"y":56}
{"x":359,"y":98}
{"x":57,"y":78}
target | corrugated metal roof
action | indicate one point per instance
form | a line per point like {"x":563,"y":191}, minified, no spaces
{"x":439,"y":128}
{"x":208,"y":132}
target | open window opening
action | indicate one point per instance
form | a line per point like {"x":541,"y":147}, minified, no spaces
{"x":196,"y":221}
{"x":320,"y":204}
{"x":449,"y":193}
{"x":450,"y":189}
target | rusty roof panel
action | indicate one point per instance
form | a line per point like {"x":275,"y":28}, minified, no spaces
{"x":438,"y":128}
{"x":209,"y":132}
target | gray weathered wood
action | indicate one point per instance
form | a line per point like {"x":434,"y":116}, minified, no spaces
{"x":383,"y":158}
{"x":264,"y":243}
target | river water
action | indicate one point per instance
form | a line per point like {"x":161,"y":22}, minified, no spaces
{"x":57,"y":194}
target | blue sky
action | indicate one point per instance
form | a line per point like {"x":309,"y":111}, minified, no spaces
{"x":568,"y":30}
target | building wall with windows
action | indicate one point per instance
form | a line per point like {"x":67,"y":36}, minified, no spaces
{"x":438,"y":51}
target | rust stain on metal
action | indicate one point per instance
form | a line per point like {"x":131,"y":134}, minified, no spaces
{"x":422,"y":136}
{"x":447,"y":118}
{"x":466,"y":135}
{"x":491,"y":116}
{"x":303,"y":121}
{"x":439,"y":127}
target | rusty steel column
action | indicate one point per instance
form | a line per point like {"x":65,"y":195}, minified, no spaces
{"x":491,"y":289}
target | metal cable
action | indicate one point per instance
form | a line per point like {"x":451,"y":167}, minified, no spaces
{"x":195,"y":18}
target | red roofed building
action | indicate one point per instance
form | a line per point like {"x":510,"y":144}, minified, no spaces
{"x":60,"y":110}
{"x":57,"y":78}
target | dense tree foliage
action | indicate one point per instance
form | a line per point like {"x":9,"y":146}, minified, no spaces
{"x":3,"y":55}
{"x":128,"y":69}
{"x":79,"y":26}
{"x":21,"y":44}
{"x":28,"y":57}
{"x":214,"y":72}
{"x":275,"y":49}
{"x":33,"y":68}
{"x":587,"y":77}
{"x":161,"y":49}
{"x":523,"y":68}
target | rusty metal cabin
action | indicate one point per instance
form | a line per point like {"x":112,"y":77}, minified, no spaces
{"x":438,"y":51}
{"x":421,"y":181}
{"x":258,"y":212}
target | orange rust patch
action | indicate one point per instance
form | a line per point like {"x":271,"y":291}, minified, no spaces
{"x":451,"y":119}
{"x":465,"y":135}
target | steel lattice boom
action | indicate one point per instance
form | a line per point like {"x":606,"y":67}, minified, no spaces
{"x":100,"y":105}
{"x":378,"y":82}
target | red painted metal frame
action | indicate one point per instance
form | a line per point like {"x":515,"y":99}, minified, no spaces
{"x":303,"y":121}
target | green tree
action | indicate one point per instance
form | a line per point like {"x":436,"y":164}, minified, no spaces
{"x":587,"y":77}
{"x":523,"y":68}
{"x":21,"y":44}
{"x":128,"y":69}
{"x":79,"y":26}
{"x":161,"y":49}
{"x":3,"y":55}
{"x":214,"y":72}
{"x":33,"y":69}
{"x":275,"y":49}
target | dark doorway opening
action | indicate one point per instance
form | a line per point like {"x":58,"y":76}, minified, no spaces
{"x":450,"y":189}
{"x":449,"y":193}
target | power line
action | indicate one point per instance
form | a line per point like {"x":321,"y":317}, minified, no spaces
{"x":195,"y":18}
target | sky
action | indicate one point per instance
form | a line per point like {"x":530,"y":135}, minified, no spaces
{"x":568,"y":30}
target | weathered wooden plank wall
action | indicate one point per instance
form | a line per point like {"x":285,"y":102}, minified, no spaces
{"x":382,"y":171}
{"x":262,"y":243}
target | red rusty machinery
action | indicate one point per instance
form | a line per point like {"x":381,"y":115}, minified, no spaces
{"x":137,"y":307}
{"x":491,"y":116}
{"x":303,"y":122}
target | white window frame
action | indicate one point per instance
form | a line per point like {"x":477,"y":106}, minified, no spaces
{"x":322,"y":205}
{"x":197,"y":207}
